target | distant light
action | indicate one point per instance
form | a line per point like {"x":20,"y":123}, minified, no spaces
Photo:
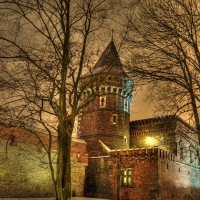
{"x":150,"y":141}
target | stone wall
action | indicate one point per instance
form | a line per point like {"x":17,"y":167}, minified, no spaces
{"x":79,"y":163}
{"x":24,"y":171}
{"x":24,"y":166}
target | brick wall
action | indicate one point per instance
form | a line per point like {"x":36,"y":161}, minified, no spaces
{"x":96,"y":123}
{"x":168,"y":133}
{"x":144,"y":181}
{"x":96,"y":120}
{"x":177,"y":180}
{"x":156,"y":174}
{"x":153,"y":132}
{"x":24,"y":168}
{"x":98,"y":177}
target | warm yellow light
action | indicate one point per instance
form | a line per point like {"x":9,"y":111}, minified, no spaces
{"x":149,"y":141}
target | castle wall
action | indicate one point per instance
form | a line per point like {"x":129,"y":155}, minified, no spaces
{"x":155,"y":174}
{"x":144,"y":176}
{"x":24,"y":166}
{"x":177,"y":180}
{"x":24,"y":171}
{"x":154,"y":132}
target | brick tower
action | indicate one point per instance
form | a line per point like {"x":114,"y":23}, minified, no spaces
{"x":107,"y":117}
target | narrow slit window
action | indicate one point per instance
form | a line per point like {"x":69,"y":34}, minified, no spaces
{"x":114,"y":119}
{"x":125,"y":139}
{"x":126,"y":105}
{"x":13,"y":140}
{"x":102,"y":103}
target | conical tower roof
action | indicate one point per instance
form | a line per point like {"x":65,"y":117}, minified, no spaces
{"x":109,"y":62}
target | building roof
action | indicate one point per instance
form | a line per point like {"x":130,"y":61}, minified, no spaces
{"x":109,"y":62}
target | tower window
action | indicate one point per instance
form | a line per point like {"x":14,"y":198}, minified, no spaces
{"x":102,"y":103}
{"x":114,"y":119}
{"x":126,"y":103}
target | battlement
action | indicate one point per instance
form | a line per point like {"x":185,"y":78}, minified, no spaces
{"x":153,"y":120}
{"x":105,"y":89}
{"x":143,"y":153}
{"x":166,"y":155}
{"x":167,"y":118}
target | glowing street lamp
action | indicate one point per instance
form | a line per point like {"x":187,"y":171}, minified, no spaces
{"x":149,"y":141}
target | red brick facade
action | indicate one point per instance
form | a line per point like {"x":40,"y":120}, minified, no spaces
{"x":150,"y":159}
{"x":156,"y":174}
{"x":137,"y":170}
{"x":107,"y":117}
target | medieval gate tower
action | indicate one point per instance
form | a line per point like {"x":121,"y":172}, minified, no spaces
{"x":107,"y":117}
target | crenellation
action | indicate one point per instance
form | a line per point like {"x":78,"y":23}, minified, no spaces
{"x":148,"y":167}
{"x":141,"y":153}
{"x":149,"y":159}
{"x":110,"y":89}
{"x":152,"y":120}
{"x":165,"y":155}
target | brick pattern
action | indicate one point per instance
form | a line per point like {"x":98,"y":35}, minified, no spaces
{"x":156,"y":174}
{"x":98,"y":178}
{"x":162,"y":134}
{"x":24,"y":168}
{"x":170,"y":172}
{"x":177,"y":180}
{"x":144,"y":165}
{"x":96,"y":123}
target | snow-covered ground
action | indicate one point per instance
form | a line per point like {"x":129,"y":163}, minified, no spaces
{"x":53,"y":198}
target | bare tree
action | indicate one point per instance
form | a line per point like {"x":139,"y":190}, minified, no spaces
{"x":45,"y":47}
{"x":164,"y":45}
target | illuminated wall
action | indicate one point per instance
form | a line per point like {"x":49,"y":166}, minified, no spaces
{"x":154,"y":174}
{"x":167,"y":133}
{"x":177,"y":179}
{"x":24,"y":168}
{"x":24,"y":172}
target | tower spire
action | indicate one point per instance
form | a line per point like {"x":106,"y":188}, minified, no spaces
{"x":109,"y":62}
